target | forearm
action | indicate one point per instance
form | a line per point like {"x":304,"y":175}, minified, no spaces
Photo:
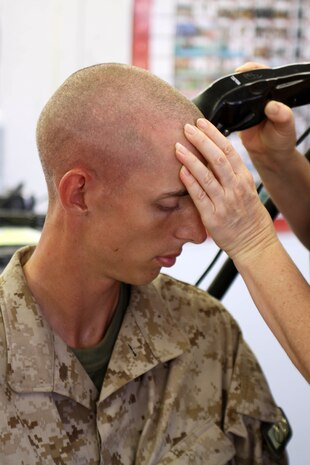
{"x":289,"y":188}
{"x":282,"y":296}
{"x":224,"y":194}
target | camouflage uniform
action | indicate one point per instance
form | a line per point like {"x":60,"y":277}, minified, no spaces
{"x":182,"y":387}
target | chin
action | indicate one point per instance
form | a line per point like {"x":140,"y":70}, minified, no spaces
{"x":145,"y":278}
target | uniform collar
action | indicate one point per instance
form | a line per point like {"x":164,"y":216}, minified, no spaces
{"x":39,"y":361}
{"x":149,"y":335}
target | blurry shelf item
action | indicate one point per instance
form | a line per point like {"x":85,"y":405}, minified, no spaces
{"x":194,"y":42}
{"x":234,"y":32}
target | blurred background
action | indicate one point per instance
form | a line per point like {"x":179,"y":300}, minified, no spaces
{"x":189,"y":44}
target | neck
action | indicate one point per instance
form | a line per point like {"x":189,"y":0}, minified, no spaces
{"x":77,"y":306}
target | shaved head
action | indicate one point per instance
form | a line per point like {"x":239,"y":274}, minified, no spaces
{"x":102,"y":118}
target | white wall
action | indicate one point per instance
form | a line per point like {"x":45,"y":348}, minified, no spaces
{"x":42,"y":42}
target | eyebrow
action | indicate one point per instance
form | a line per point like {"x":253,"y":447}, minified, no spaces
{"x":179,"y":193}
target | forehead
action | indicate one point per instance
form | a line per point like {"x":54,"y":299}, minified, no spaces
{"x":166,"y":137}
{"x":159,"y":172}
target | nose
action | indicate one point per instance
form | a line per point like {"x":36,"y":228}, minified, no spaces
{"x":190,"y":227}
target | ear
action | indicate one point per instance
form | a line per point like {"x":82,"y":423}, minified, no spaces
{"x":72,"y":190}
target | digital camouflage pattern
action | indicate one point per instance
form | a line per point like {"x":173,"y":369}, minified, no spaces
{"x":182,"y":387}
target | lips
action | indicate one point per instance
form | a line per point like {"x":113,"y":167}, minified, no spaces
{"x":168,"y":260}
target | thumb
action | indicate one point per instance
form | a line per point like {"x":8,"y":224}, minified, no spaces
{"x":281,"y":127}
{"x":281,"y":115}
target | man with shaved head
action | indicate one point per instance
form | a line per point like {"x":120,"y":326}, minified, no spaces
{"x":104,"y":360}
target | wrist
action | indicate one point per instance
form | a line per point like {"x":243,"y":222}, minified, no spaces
{"x":256,"y":248}
{"x":277,"y":163}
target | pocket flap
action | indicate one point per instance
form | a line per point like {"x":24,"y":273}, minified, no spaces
{"x":206,"y":444}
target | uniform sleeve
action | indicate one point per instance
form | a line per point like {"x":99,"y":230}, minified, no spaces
{"x":257,"y":427}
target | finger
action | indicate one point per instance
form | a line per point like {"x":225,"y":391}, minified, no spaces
{"x":278,"y":112}
{"x":223,"y":143}
{"x":282,"y":118}
{"x":216,"y":149}
{"x":203,"y":176}
{"x":249,"y":66}
{"x":198,"y":195}
{"x":210,"y":152}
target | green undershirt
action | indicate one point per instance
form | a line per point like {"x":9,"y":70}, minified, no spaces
{"x":95,"y":359}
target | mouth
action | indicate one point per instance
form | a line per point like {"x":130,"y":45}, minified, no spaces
{"x":168,"y":260}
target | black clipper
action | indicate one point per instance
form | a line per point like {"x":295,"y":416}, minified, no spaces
{"x":237,"y":101}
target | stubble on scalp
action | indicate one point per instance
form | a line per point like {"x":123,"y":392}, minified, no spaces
{"x":103,"y":118}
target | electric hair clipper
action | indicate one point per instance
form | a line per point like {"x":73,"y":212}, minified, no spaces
{"x":237,"y":101}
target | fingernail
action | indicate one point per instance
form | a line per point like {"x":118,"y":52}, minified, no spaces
{"x":180,"y":148}
{"x":273,"y":107}
{"x":190,"y":129}
{"x":185,"y":171}
{"x":202,"y":123}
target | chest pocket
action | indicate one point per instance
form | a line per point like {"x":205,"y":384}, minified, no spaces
{"x":205,"y":445}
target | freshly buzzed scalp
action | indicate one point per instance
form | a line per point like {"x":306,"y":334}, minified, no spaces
{"x":100,"y":110}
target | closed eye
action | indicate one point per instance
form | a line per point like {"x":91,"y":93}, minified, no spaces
{"x":170,"y":201}
{"x":166,"y":208}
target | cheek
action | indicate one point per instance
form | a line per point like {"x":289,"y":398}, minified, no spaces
{"x":143,"y":238}
{"x":135,"y":227}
